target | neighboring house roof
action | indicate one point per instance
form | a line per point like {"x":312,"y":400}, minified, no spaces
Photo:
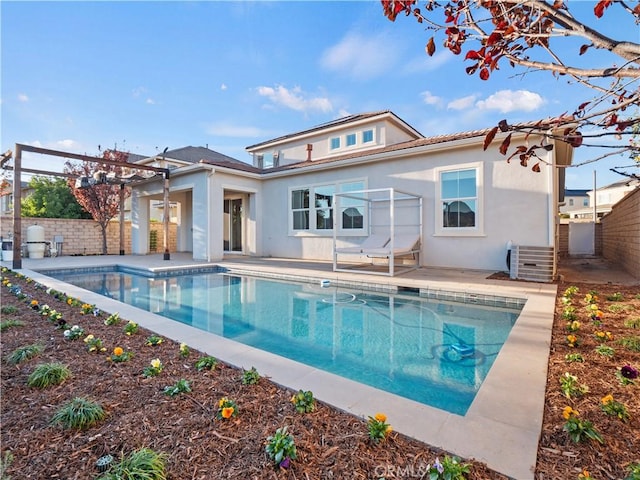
{"x":209,"y":157}
{"x":337,"y":123}
{"x":576,"y":192}
{"x":629,"y":182}
{"x":196,"y":154}
{"x":135,"y":158}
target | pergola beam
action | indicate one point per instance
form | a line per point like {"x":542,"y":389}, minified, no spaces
{"x":17,"y":191}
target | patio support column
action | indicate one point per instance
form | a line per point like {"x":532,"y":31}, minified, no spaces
{"x":165,"y":217}
{"x":122,"y":219}
{"x":17,"y":209}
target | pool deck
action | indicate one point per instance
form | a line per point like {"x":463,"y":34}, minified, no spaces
{"x":501,"y":428}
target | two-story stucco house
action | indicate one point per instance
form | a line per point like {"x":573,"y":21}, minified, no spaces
{"x":473,"y":203}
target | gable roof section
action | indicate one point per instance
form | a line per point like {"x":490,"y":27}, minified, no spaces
{"x":340,"y":122}
{"x":422,"y":142}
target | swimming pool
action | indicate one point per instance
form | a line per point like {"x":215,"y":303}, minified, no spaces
{"x":436,"y":353}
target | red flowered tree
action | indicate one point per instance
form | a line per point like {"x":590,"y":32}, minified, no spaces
{"x":527,"y":34}
{"x":97,"y":195}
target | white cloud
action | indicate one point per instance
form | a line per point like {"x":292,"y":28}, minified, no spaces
{"x":295,"y":99}
{"x":67,"y":144}
{"x":228,"y":130}
{"x":463,"y":103}
{"x":430,"y":99}
{"x":506,"y":101}
{"x":22,"y":97}
{"x":223,"y":87}
{"x":359,"y":56}
{"x":150,"y":101}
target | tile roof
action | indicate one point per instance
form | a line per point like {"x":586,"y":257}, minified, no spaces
{"x":421,"y":142}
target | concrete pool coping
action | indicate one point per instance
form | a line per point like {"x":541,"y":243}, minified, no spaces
{"x":501,"y":428}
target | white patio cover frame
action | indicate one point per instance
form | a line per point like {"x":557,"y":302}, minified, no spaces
{"x":390,"y":222}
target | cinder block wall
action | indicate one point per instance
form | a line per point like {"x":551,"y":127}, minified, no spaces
{"x":621,"y":233}
{"x":83,"y":237}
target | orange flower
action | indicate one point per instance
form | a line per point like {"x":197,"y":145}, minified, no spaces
{"x":381,"y":417}
{"x":118,"y":351}
{"x":227,"y":412}
{"x":568,"y":411}
{"x":607,"y":399}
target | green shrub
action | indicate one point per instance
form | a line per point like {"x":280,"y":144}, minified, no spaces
{"x":281,"y":447}
{"x":47,"y":374}
{"x":79,"y":413}
{"x":142,"y":464}
{"x":304,"y":401}
{"x":620,"y":307}
{"x":632,"y":323}
{"x":181,"y":386}
{"x":250,"y":377}
{"x":10,"y":323}
{"x":631,"y":342}
{"x":23,"y":354}
{"x":206,"y":363}
{"x":5,"y":462}
{"x":9,"y":310}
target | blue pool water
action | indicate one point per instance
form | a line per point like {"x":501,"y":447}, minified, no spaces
{"x":434,"y":353}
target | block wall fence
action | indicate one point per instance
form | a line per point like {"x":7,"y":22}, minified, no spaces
{"x":82,"y":237}
{"x":621,"y":233}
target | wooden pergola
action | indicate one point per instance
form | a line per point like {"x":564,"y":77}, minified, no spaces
{"x":17,"y":191}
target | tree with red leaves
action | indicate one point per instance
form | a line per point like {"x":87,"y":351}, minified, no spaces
{"x":520,"y":33}
{"x":98,"y":197}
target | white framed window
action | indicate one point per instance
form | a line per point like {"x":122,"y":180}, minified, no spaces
{"x":334,"y":143}
{"x":350,"y":140}
{"x":312,"y":211}
{"x":571,"y":202}
{"x":585,"y":202}
{"x":459,"y":205}
{"x":299,"y":209}
{"x":367,"y":136}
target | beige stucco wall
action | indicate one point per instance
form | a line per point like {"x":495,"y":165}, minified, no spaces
{"x":83,"y":237}
{"x":621,"y":233}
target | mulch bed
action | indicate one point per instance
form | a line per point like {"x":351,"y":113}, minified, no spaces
{"x":331,"y":444}
{"x":558,"y":455}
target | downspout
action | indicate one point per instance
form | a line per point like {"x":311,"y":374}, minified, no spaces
{"x":554,"y":218}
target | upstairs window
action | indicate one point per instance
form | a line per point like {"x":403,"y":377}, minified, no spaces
{"x":367,"y":136}
{"x":335,"y":143}
{"x":351,"y":139}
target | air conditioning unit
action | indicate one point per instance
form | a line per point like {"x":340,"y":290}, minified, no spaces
{"x":532,"y":263}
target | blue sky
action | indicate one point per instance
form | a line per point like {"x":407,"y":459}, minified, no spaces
{"x":143,"y":76}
